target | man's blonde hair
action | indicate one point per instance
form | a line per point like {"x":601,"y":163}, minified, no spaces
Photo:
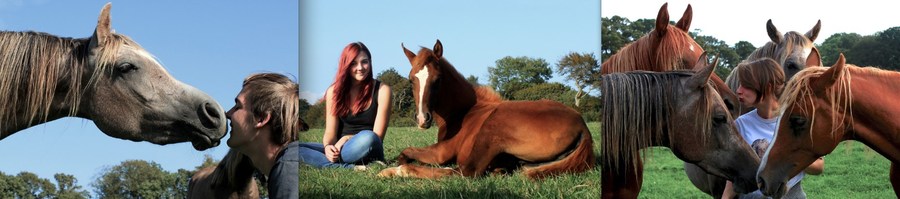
{"x":279,"y":96}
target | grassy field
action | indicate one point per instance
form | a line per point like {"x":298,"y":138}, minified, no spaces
{"x":850,"y":172}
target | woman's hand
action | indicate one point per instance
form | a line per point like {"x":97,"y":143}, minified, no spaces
{"x":332,"y":153}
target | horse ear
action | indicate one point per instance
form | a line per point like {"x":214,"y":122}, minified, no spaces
{"x":685,"y":22}
{"x":102,"y":32}
{"x":814,"y":59}
{"x":774,"y":34}
{"x":409,"y":54}
{"x":438,"y":49}
{"x":831,"y":75}
{"x":814,"y":32}
{"x":700,"y":79}
{"x":662,"y":20}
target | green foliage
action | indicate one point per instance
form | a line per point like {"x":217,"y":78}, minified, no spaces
{"x":315,"y":115}
{"x":836,"y":44}
{"x":27,"y":185}
{"x":68,"y":188}
{"x":516,"y":73}
{"x":744,"y":49}
{"x":402,"y":97}
{"x":472,"y":79}
{"x":137,"y":179}
{"x":345,"y":183}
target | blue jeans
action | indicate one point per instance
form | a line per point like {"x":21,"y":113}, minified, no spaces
{"x":362,"y":148}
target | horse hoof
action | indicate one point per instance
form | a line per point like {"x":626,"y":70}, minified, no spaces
{"x":393,"y":171}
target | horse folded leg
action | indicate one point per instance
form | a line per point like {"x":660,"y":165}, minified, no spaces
{"x":581,"y":159}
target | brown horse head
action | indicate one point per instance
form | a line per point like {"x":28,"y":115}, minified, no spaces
{"x":814,"y":111}
{"x":430,"y":72}
{"x":107,"y":78}
{"x":665,"y":48}
{"x":680,"y":110}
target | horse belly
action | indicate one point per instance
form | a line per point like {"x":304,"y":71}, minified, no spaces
{"x":535,"y":131}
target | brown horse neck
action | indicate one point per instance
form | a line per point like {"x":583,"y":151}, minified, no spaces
{"x":453,"y":102}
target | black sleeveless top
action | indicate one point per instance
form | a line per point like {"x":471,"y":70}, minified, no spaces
{"x":365,"y":120}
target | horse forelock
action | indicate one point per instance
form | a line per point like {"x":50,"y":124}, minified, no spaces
{"x":838,"y":96}
{"x":639,"y":107}
{"x":652,"y":53}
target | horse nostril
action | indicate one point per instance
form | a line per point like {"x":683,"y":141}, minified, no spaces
{"x":428,"y":117}
{"x":210,"y":116}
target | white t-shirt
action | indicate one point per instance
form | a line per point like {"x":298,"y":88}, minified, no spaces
{"x":753,"y":127}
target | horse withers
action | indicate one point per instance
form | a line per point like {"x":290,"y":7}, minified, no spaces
{"x":107,"y":78}
{"x":481,"y":132}
{"x":822,"y":107}
{"x":677,"y":109}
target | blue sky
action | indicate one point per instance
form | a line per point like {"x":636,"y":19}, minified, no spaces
{"x":211,"y":45}
{"x":474,"y":34}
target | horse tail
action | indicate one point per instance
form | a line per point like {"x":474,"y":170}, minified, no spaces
{"x":580,"y":159}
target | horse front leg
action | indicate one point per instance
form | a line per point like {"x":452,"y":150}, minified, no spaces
{"x":622,"y":182}
{"x":438,"y":154}
{"x":895,"y":179}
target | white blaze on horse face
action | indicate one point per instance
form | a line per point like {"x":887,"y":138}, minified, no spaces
{"x":422,"y":75}
{"x":692,"y":48}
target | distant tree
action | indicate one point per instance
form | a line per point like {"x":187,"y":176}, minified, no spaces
{"x":181,"y":178}
{"x":836,"y":44}
{"x":315,"y":116}
{"x":135,"y":179}
{"x":35,"y":187}
{"x":472,"y":79}
{"x":581,"y":68}
{"x":68,"y":187}
{"x":728,"y":58}
{"x":401,"y":91}
{"x":550,"y":91}
{"x":515,"y":73}
{"x":743,"y":49}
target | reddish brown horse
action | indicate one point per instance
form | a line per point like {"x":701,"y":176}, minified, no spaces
{"x":480,"y":132}
{"x":676,"y":109}
{"x":667,"y":48}
{"x":822,"y":107}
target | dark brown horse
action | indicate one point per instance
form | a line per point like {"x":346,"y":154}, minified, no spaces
{"x":480,"y":132}
{"x":676,"y":109}
{"x":107,"y":78}
{"x":822,"y":107}
{"x":667,"y":48}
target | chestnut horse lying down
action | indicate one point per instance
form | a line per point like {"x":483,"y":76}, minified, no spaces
{"x":480,"y":132}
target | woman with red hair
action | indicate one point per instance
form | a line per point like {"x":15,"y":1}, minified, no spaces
{"x":356,"y":117}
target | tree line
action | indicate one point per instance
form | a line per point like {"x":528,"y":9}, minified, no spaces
{"x":129,"y":179}
{"x":514,"y":78}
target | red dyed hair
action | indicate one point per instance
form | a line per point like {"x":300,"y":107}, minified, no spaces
{"x":343,"y":105}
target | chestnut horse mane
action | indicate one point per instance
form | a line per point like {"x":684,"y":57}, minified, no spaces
{"x":639,"y":53}
{"x":838,"y":95}
{"x":639,"y":106}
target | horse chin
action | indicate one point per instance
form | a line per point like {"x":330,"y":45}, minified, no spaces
{"x":424,"y":126}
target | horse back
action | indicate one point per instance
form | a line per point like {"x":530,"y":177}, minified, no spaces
{"x":520,"y":127}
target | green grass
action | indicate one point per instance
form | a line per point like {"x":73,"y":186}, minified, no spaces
{"x":851,"y":171}
{"x":343,"y":183}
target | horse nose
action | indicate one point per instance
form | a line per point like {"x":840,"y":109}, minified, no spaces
{"x":211,"y":116}
{"x":428,"y":117}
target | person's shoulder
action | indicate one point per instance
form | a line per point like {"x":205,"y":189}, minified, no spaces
{"x":384,"y":86}
{"x":291,"y":152}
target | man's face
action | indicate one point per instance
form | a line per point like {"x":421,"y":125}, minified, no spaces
{"x":243,"y":129}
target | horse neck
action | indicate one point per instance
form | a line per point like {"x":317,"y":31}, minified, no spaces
{"x":634,"y":56}
{"x":42,"y":80}
{"x":455,"y":99}
{"x":874,"y":113}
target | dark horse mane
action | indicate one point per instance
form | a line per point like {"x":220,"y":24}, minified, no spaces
{"x":638,"y":106}
{"x":38,"y":67}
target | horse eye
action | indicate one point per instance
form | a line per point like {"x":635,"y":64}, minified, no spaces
{"x":126,"y":67}
{"x":719,"y":119}
{"x":798,"y":121}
